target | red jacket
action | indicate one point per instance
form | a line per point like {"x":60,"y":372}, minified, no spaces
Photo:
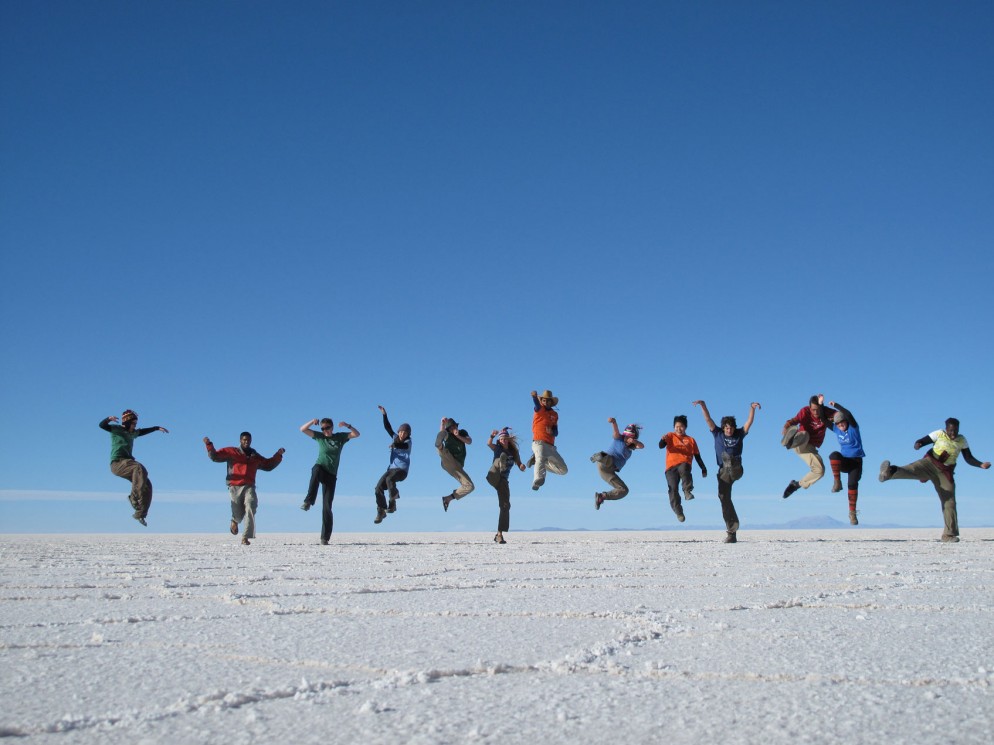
{"x":242,"y":465}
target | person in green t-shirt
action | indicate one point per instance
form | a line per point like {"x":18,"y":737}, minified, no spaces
{"x":325,"y":471}
{"x":123,"y":463}
{"x":451,"y":445}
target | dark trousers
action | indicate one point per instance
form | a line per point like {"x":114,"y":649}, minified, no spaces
{"x":327,"y":480}
{"x":503,"y":500}
{"x":728,"y":513}
{"x":852,"y":466}
{"x":680,"y":473}
{"x":388,"y":482}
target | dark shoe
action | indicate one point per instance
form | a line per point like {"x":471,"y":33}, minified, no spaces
{"x":730,"y":538}
{"x":445,"y":503}
{"x":380,"y":514}
{"x":324,"y":542}
{"x":536,"y":486}
{"x":392,"y":506}
{"x":946,"y":538}
{"x":598,"y":500}
{"x":680,"y":517}
{"x":688,"y":495}
{"x":305,"y":506}
{"x":792,"y":487}
{"x":138,"y":516}
{"x":836,"y":486}
{"x":245,"y":541}
{"x":733,"y":529}
{"x":499,"y":539}
{"x":852,"y":518}
{"x":886,"y":471}
{"x":233,"y":527}
{"x":531,"y":462}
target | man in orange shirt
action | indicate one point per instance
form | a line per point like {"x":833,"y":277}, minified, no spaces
{"x":545,"y":429}
{"x":681,"y":450}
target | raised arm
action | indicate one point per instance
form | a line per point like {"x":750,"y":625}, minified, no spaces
{"x":268,"y":464}
{"x":353,"y":432}
{"x":211,"y":452}
{"x":386,"y":422}
{"x":306,"y":428}
{"x":707,"y":414}
{"x":490,"y":440}
{"x":105,"y":424}
{"x":614,"y":426}
{"x":535,"y":402}
{"x":752,"y":416}
{"x":844,"y":411}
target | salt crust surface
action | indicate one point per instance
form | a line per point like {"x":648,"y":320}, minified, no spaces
{"x":881,"y":636}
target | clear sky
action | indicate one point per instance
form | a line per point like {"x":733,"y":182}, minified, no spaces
{"x":242,"y":215}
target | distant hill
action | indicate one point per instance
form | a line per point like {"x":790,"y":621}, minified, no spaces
{"x":812,"y":522}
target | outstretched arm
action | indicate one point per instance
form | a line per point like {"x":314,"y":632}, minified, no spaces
{"x":707,"y":414}
{"x":752,"y":416}
{"x":269,"y":464}
{"x":968,"y":457}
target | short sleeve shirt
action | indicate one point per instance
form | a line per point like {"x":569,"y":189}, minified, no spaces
{"x":330,"y":450}
{"x":945,"y":444}
{"x":679,"y":449}
{"x":620,"y":453}
{"x":731,"y":445}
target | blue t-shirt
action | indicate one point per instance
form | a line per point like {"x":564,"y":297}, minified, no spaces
{"x":731,"y":445}
{"x":850,"y":443}
{"x":620,"y":453}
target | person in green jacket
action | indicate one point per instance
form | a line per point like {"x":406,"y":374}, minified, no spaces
{"x":123,"y":463}
{"x":451,"y":445}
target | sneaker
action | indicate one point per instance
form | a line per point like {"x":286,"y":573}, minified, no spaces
{"x":852,"y":518}
{"x":530,"y":463}
{"x":687,"y":496}
{"x":680,"y":517}
{"x":233,"y":528}
{"x":598,"y":500}
{"x":730,"y":538}
{"x":445,"y":503}
{"x":836,"y":486}
{"x":245,"y":541}
{"x":305,"y":506}
{"x":138,"y":516}
{"x":886,"y":471}
{"x":536,"y":486}
{"x":946,"y":538}
{"x":792,"y":487}
{"x":392,"y":506}
{"x":380,"y":514}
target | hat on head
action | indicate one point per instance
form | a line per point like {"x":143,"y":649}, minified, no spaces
{"x":450,"y":423}
{"x":128,"y":416}
{"x":548,"y":394}
{"x":632,"y":430}
{"x":839,"y":417}
{"x":404,"y":427}
{"x":504,"y":433}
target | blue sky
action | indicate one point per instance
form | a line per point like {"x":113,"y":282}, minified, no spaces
{"x":234,"y":216}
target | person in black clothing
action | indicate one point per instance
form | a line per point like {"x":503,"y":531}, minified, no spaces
{"x":400,"y":462}
{"x":506,"y":456}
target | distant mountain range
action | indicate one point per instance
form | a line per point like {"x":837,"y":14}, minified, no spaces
{"x":819,"y":522}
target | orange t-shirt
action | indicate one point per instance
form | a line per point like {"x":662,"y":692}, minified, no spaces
{"x":679,"y":449}
{"x":542,"y":424}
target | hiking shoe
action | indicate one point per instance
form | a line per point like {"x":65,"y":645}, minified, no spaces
{"x":499,"y":538}
{"x":730,"y":538}
{"x":734,"y":528}
{"x":138,"y":516}
{"x":852,"y":518}
{"x":792,"y":487}
{"x":680,"y":517}
{"x":233,"y":528}
{"x":836,"y":486}
{"x":598,"y":500}
{"x":305,"y":506}
{"x":946,"y":538}
{"x":380,"y":514}
{"x":886,"y":470}
{"x":445,"y":503}
{"x":687,"y":496}
{"x":245,"y":541}
{"x":392,"y":507}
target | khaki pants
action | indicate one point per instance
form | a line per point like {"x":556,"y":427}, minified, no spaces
{"x":546,"y":458}
{"x":141,"y":488}
{"x":927,"y":470}
{"x":451,"y":466}
{"x":244,"y":503}
{"x":809,"y":454}
{"x":605,"y":467}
